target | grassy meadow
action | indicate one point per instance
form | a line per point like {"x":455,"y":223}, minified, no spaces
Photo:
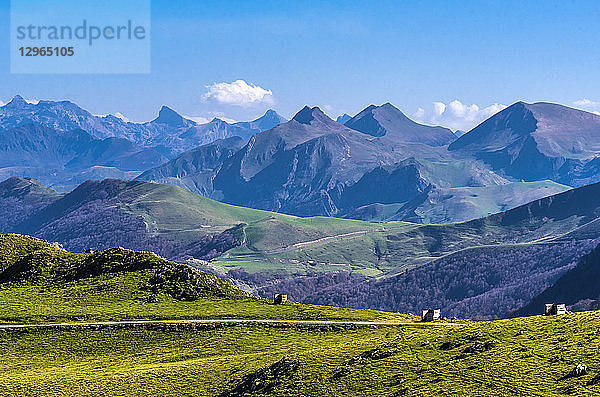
{"x":524,"y":356}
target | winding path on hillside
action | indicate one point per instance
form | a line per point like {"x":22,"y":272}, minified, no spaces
{"x":320,"y":240}
{"x":230,"y":321}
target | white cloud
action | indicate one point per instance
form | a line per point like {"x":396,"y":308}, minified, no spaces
{"x":456,"y":115}
{"x":238,"y":93}
{"x":586,"y":103}
{"x":419,"y":114}
{"x":117,"y":115}
{"x":438,"y":109}
{"x":589,"y":105}
{"x":327,"y":108}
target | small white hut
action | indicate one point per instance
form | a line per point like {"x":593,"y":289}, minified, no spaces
{"x":551,"y":309}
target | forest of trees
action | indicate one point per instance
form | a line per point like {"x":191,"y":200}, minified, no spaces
{"x":483,"y":282}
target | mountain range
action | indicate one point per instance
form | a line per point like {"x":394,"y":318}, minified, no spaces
{"x":379,"y":165}
{"x":169,"y":133}
{"x":388,"y":121}
{"x":63,"y":145}
{"x":67,"y":158}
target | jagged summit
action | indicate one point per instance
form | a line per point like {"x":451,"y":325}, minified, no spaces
{"x":270,"y":113}
{"x":17,"y":102}
{"x":170,"y":117}
{"x":308,"y":115}
{"x":305,"y":115}
{"x":269,"y":120}
{"x":265,"y":122}
{"x":343,"y":118}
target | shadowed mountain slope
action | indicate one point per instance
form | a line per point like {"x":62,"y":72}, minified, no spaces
{"x":195,"y":169}
{"x":537,"y":141}
{"x":578,"y":288}
{"x":55,"y":157}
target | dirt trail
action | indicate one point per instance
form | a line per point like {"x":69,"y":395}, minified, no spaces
{"x":321,"y":240}
{"x":229,"y":321}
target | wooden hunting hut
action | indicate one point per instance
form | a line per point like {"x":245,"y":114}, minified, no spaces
{"x":279,"y":299}
{"x":430,"y":314}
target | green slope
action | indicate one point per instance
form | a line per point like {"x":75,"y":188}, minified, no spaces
{"x":41,"y":283}
{"x":399,"y":246}
{"x":518,"y":357}
{"x":173,"y":214}
{"x":446,"y":205}
{"x":175,"y":223}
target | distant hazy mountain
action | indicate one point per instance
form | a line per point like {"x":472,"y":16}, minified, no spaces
{"x":57,"y":156}
{"x":537,"y":141}
{"x":61,"y":116}
{"x":386,"y":120}
{"x":169,"y":133}
{"x":195,"y":169}
{"x":179,"y":134}
{"x":216,"y":129}
{"x":269,"y":120}
{"x":118,"y":153}
{"x":343,"y":118}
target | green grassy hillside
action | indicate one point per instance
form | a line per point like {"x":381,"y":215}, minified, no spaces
{"x":142,"y":215}
{"x":41,"y":283}
{"x":175,"y":223}
{"x":242,"y":242}
{"x":518,"y":357}
{"x":446,"y":205}
{"x":398,"y":246}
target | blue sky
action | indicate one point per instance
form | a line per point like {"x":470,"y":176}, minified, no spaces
{"x":342,"y":56}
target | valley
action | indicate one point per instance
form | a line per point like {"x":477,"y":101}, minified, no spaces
{"x":300,"y":199}
{"x":380,"y":212}
{"x":322,"y":260}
